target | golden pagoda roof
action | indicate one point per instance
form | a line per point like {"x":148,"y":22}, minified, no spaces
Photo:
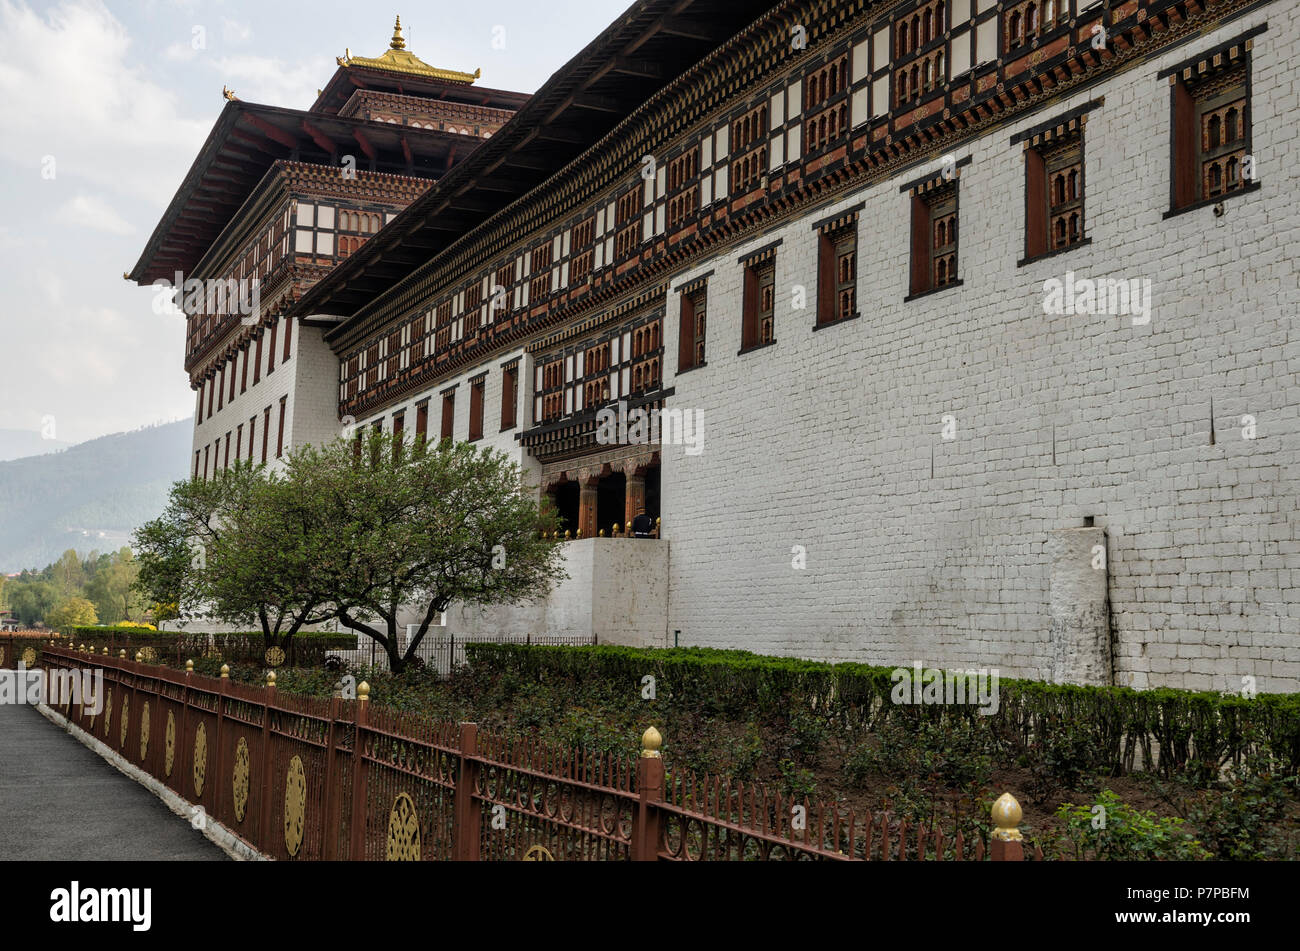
{"x":398,"y":59}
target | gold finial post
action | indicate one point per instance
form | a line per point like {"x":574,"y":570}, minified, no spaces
{"x":651,"y":741}
{"x":120,"y":654}
{"x":139,"y":657}
{"x":363,"y":691}
{"x":105,"y":651}
{"x":398,"y":43}
{"x":225,"y":671}
{"x":1006,"y":843}
{"x":82,"y":648}
{"x":270,"y":678}
{"x":189,"y":667}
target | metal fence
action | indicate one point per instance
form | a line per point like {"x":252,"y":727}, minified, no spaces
{"x":21,"y":648}
{"x":303,"y":778}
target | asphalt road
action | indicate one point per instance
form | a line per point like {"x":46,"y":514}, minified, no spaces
{"x":60,"y":801}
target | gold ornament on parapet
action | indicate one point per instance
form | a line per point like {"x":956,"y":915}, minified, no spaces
{"x":169,"y":759}
{"x":144,"y":731}
{"x":538,"y":853}
{"x":403,"y":831}
{"x":295,"y":805}
{"x":200,"y":758}
{"x":274,"y":656}
{"x":239,"y":781}
{"x":126,"y":717}
{"x":29,"y":657}
{"x":149,"y":655}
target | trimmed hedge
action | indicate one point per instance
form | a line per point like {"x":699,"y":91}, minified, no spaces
{"x":307,"y":649}
{"x":1113,"y":729}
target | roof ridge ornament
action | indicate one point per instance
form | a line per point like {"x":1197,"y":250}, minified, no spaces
{"x":398,"y":59}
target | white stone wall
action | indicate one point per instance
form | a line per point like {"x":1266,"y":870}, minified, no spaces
{"x":284,"y":380}
{"x":924,"y":549}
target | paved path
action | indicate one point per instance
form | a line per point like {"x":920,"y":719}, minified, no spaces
{"x":60,"y":800}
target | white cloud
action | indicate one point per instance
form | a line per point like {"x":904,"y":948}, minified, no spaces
{"x":71,"y":92}
{"x":232,"y":31}
{"x":87,"y":211}
{"x":269,"y":80}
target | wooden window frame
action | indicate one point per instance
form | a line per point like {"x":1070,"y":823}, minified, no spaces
{"x":421,"y":423}
{"x":509,"y":397}
{"x":448,"y":430}
{"x":1043,"y":163}
{"x":1192,"y":99}
{"x":758,"y":314}
{"x":837,"y":294}
{"x":692,"y":329}
{"x":477,"y":398}
{"x":930,"y":207}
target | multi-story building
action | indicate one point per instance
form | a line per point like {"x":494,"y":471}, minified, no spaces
{"x":969,"y":322}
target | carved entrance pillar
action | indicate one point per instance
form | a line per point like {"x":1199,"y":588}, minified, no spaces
{"x":634,"y":503}
{"x":587,"y":508}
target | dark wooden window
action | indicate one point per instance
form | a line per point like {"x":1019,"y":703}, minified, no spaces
{"x":270,"y":356}
{"x":196,"y":463}
{"x":934,"y":239}
{"x":205,"y":463}
{"x":288,"y":336}
{"x":477,"y":390}
{"x":749,"y":146}
{"x":394,"y":360}
{"x":683,"y":186}
{"x":257,"y":358}
{"x":473,"y":308}
{"x":448,"y":414}
{"x":837,"y":273}
{"x":422,"y":423}
{"x":758,"y":309}
{"x":827,"y":112}
{"x":581,"y":250}
{"x":1212,"y":133}
{"x":690,"y":341}
{"x":354,"y":375}
{"x":252,"y":436}
{"x":243,"y":375}
{"x":503,"y":294}
{"x":399,"y":425}
{"x":595,"y":374}
{"x":552,"y":391}
{"x":266,"y":431}
{"x":226,"y":464}
{"x":1054,"y":195}
{"x":234,"y":365}
{"x":539,"y":265}
{"x":442,"y":337}
{"x":279,"y":437}
{"x":509,"y":397}
{"x":647,"y":357}
{"x":628,"y":220}
{"x":239,"y":441}
{"x":1027,"y":21}
{"x":221,"y":388}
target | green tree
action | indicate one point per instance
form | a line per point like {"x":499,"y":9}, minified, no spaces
{"x":112,"y":587}
{"x":31,"y":598}
{"x":420,"y":527}
{"x":71,"y":612}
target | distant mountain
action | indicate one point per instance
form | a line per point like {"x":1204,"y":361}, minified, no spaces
{"x":20,"y":443}
{"x":89,"y":496}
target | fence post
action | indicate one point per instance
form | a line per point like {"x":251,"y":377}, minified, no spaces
{"x":218,"y":775}
{"x":180,"y":757}
{"x":1007,"y":844}
{"x":330,"y":827}
{"x":358,"y":828}
{"x":650,"y":791}
{"x":467,"y":814}
{"x":264,"y":826}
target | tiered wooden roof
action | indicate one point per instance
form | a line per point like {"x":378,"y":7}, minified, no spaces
{"x":644,"y":50}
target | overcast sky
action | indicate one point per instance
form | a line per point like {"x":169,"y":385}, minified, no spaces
{"x":115,"y":100}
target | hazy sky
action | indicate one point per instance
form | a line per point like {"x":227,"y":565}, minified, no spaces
{"x":115,"y":99}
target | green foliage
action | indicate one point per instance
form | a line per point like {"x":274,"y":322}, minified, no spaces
{"x":1112,"y":829}
{"x":1243,"y":822}
{"x":1056,"y":729}
{"x":104,"y":580}
{"x":70,"y":613}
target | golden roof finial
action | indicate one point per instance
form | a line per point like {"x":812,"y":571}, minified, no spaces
{"x":229,"y":94}
{"x":398,"y":59}
{"x":398,"y":43}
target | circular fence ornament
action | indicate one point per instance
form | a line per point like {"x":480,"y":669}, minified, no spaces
{"x":403,"y":831}
{"x":295,"y":805}
{"x":169,"y":760}
{"x":200,"y":758}
{"x":126,"y":717}
{"x":149,"y":655}
{"x":539,"y":853}
{"x":29,"y":657}
{"x":144,"y":731}
{"x":239,"y":782}
{"x":274,"y":656}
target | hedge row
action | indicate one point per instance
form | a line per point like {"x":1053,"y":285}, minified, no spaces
{"x":1116,"y":729}
{"x":324,"y":639}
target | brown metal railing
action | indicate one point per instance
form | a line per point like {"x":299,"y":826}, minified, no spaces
{"x":311,"y":778}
